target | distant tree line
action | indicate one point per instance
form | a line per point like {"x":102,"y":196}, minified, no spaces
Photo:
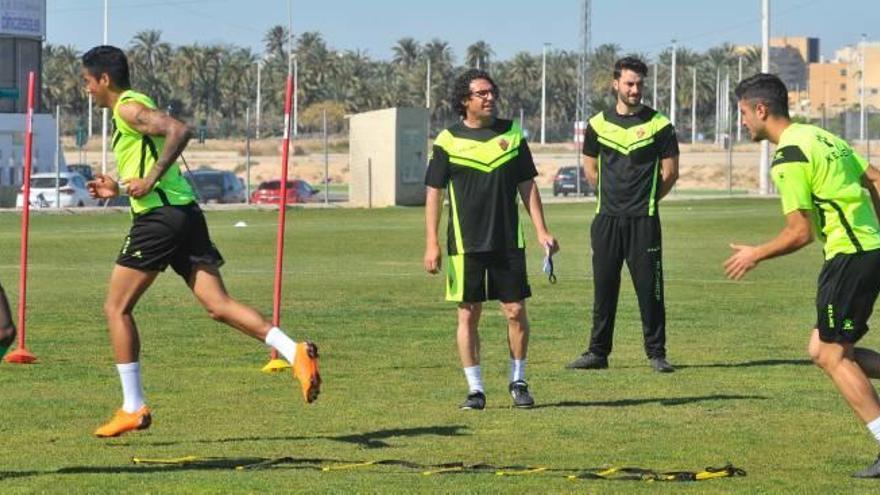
{"x":215,"y":84}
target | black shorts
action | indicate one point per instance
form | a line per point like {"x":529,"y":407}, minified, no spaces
{"x":169,"y":235}
{"x":476,"y":277}
{"x":848,"y":286}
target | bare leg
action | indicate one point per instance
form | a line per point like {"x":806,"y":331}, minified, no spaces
{"x":127,"y":285}
{"x":207,"y":285}
{"x":869,"y":361}
{"x":838,"y":362}
{"x":517,"y":329}
{"x":468,"y":337}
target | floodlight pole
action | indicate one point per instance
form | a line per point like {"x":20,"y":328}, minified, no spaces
{"x":765,"y":68}
{"x":694,"y":106}
{"x":259,"y":99}
{"x":654,"y":87}
{"x":862,"y":88}
{"x":672,"y":88}
{"x":105,"y":116}
{"x":544,"y":92}
{"x":739,"y":79}
{"x":58,"y":156}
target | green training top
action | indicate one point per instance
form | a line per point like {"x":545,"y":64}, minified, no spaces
{"x":136,"y":154}
{"x":817,"y":171}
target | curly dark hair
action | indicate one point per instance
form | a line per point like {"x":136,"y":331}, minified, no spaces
{"x":106,"y":59}
{"x":767,"y":89}
{"x":461,"y":90}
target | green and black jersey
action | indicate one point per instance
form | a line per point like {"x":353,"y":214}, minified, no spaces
{"x":482,"y":169}
{"x":136,"y":154}
{"x":819,"y":172}
{"x":629,"y":149}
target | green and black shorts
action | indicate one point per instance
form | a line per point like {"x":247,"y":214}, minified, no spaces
{"x":476,"y":277}
{"x":848,"y":287}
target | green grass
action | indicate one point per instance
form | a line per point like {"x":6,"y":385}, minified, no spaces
{"x":744,"y":392}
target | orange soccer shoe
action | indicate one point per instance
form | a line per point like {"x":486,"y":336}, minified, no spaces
{"x":123,"y":422}
{"x":305,"y":369}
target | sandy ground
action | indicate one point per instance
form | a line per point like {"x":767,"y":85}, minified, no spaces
{"x":702,"y":166}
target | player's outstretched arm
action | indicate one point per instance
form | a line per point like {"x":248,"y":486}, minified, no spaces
{"x":433,"y":202}
{"x":155,"y":123}
{"x":531,"y":199}
{"x":796,"y":234}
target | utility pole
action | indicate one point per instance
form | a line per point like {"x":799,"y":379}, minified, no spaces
{"x":295,"y":96}
{"x":544,"y":92}
{"x":259,"y":105}
{"x":765,"y":68}
{"x":582,"y":105}
{"x":654,"y":86}
{"x":672,"y":88}
{"x":105,"y":116}
{"x":862,"y":89}
{"x":739,"y":124}
{"x":428,"y":85}
{"x":694,"y":106}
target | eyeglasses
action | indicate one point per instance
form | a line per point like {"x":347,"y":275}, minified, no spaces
{"x":483,"y":94}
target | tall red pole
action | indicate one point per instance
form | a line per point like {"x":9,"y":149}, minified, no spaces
{"x":22,"y":355}
{"x":282,"y":209}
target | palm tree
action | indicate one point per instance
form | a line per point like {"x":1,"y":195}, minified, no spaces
{"x":276,"y":42}
{"x":478,"y":55}
{"x":149,"y":57}
{"x":406,"y":52}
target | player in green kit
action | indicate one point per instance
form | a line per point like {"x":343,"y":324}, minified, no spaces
{"x":829,"y":191}
{"x":168,"y":229}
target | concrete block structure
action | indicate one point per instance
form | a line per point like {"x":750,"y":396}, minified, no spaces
{"x":388,"y":157}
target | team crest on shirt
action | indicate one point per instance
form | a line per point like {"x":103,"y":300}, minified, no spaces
{"x":640,"y":132}
{"x":503,"y":144}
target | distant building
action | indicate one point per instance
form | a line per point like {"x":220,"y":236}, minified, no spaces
{"x":851,"y":57}
{"x":828,"y":87}
{"x":790,"y":57}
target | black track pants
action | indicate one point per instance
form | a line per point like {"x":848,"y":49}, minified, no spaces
{"x":636,"y":240}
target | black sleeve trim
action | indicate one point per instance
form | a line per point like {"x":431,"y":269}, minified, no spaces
{"x":789,"y":154}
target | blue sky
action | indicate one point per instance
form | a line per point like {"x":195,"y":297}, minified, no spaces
{"x":509,"y":26}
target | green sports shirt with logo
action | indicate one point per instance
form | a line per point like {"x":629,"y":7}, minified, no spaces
{"x":819,"y":172}
{"x":481,"y":168}
{"x":136,"y":154}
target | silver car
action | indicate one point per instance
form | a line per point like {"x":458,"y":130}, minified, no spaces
{"x":71,"y":191}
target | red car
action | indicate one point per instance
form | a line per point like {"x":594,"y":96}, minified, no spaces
{"x":298,"y":191}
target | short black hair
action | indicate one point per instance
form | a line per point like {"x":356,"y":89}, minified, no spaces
{"x":461,"y":90}
{"x":106,"y":59}
{"x":630,"y":63}
{"x":767,"y":89}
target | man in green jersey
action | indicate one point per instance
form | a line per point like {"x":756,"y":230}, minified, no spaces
{"x":830,"y":191}
{"x":484,"y":163}
{"x":168,"y":228}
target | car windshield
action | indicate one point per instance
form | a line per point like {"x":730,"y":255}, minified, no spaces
{"x":274,"y":185}
{"x":47,"y":182}
{"x":207,"y":179}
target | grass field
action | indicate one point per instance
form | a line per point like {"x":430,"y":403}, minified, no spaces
{"x":744,"y":392}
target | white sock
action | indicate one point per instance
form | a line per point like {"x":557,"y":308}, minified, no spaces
{"x":132,"y":391}
{"x":874,"y":426}
{"x":474,"y":378}
{"x":279,"y":341}
{"x":517,"y":370}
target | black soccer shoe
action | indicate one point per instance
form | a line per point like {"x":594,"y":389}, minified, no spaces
{"x":589,"y":361}
{"x":519,"y":390}
{"x":661,"y":365}
{"x":475,"y":400}
{"x":872,"y":471}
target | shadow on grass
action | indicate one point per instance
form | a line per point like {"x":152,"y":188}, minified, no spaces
{"x":752,"y":364}
{"x":663,"y":401}
{"x":370,"y":440}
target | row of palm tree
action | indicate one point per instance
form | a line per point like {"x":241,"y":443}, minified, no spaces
{"x":215,"y":85}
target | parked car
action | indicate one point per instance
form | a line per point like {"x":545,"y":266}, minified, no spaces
{"x":298,"y":191}
{"x":564,"y":182}
{"x":71,"y":188}
{"x":216,"y":186}
{"x":83,"y":169}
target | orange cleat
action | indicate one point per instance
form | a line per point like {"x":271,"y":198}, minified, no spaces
{"x":123,"y":422}
{"x":305,"y":369}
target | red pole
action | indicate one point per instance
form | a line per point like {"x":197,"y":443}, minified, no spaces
{"x":282,"y":209}
{"x":21,"y":355}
